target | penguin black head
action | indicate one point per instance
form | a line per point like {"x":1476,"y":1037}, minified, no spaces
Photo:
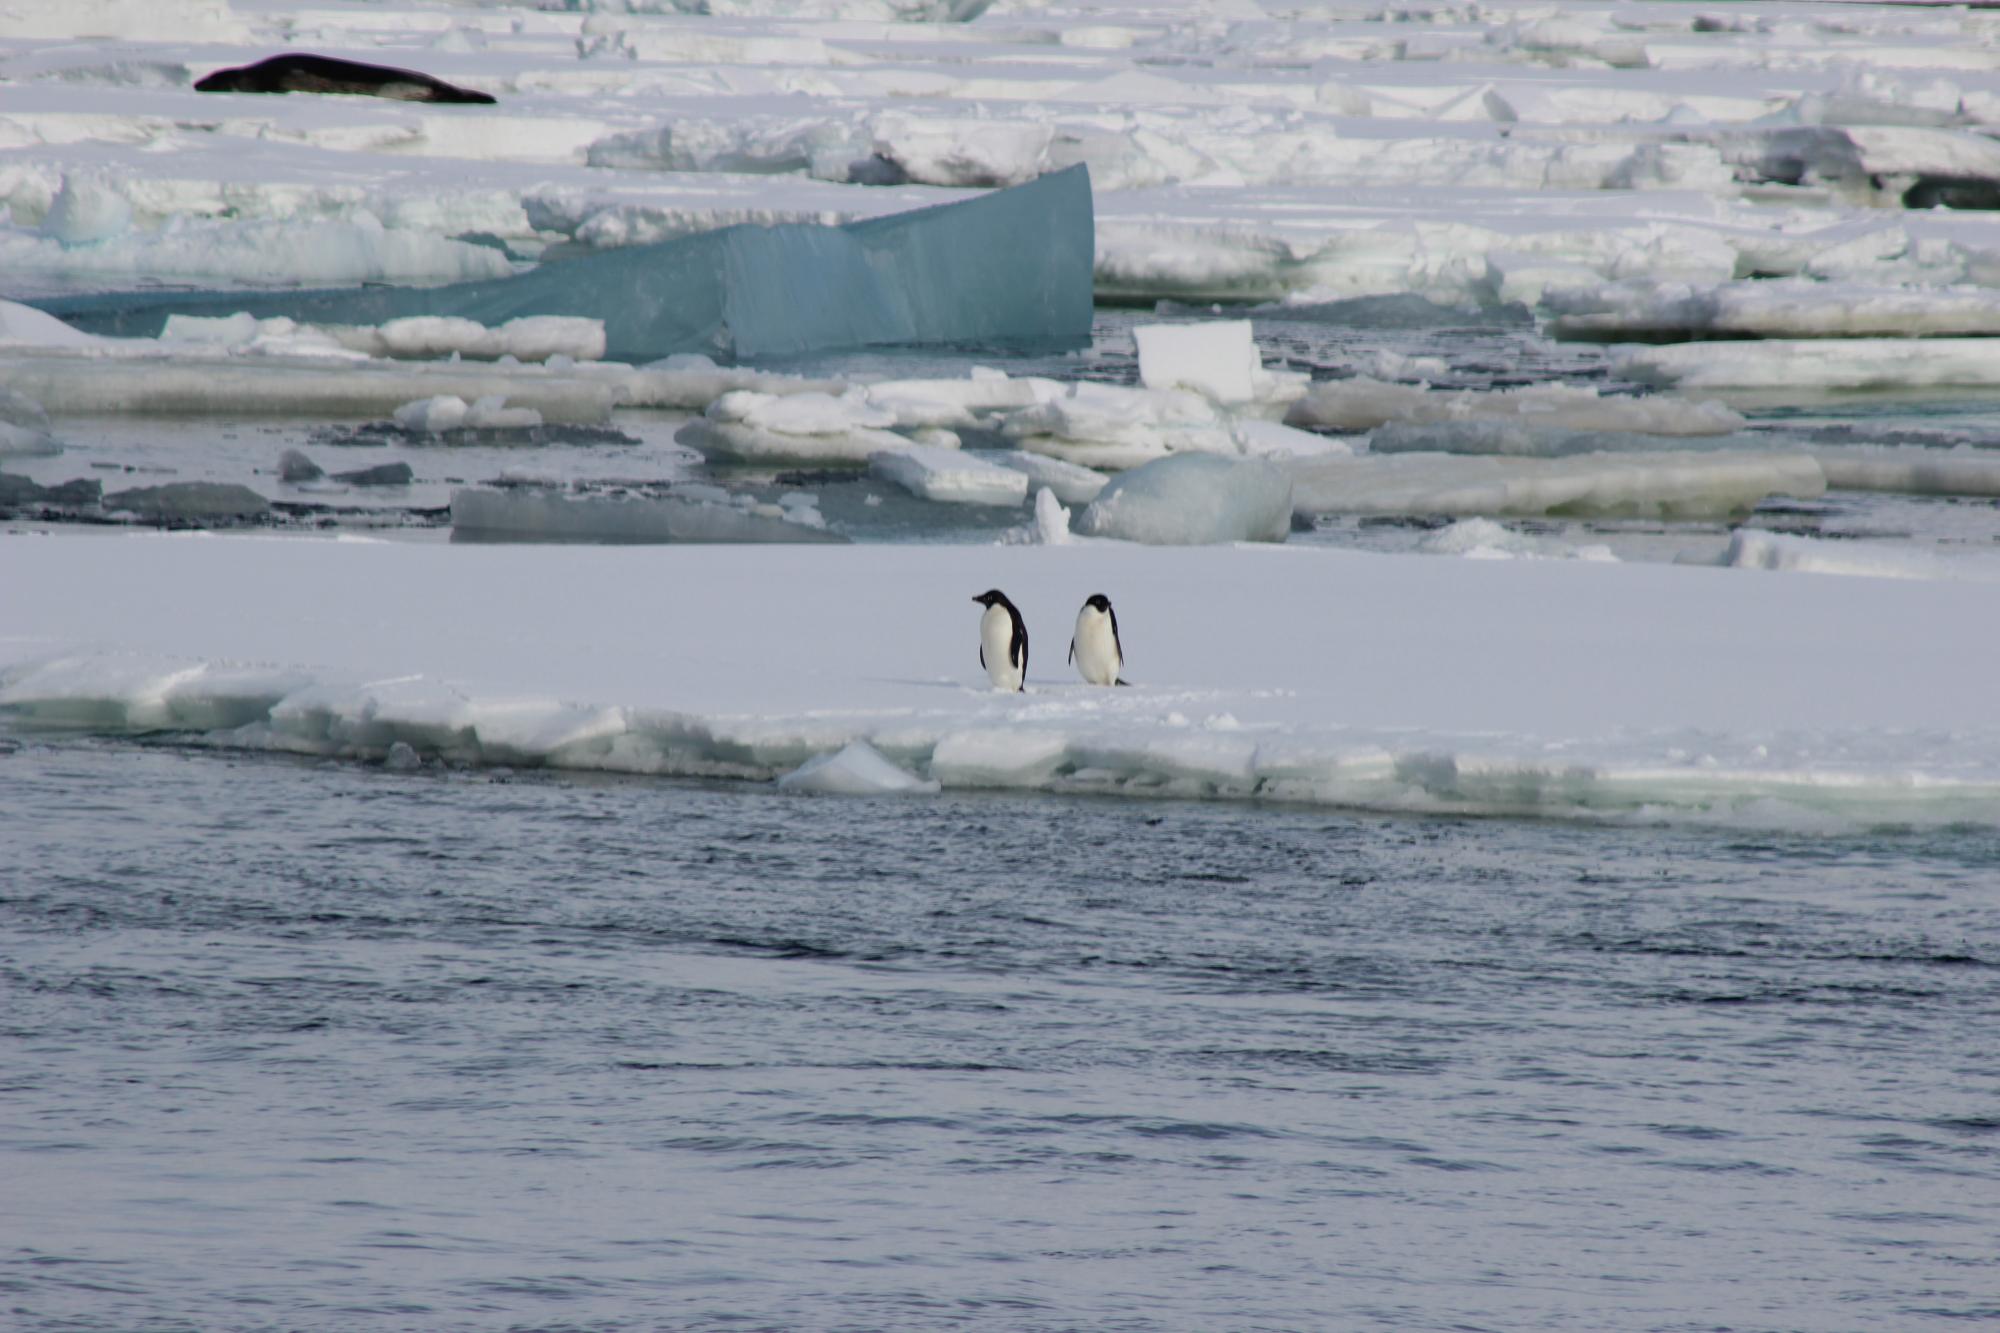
{"x":993,"y":597}
{"x":1100,"y":601}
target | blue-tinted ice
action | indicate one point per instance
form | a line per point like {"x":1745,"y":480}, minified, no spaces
{"x":1009,"y":268}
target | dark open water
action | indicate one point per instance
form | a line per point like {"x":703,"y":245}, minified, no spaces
{"x":297,"y":1045}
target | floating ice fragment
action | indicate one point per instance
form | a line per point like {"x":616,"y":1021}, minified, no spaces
{"x":529,"y":515}
{"x":748,"y":427}
{"x":1111,"y":426}
{"x":1640,"y":485}
{"x":448,"y":412}
{"x":1273,"y":440}
{"x":1483,"y":539}
{"x":1072,"y":484}
{"x":436,"y":414}
{"x":25,"y":326}
{"x":86,"y":211}
{"x":190,"y":502}
{"x":691,"y":380}
{"x":1362,"y":404}
{"x":1523,"y":439}
{"x":1911,"y":471}
{"x":1194,"y":500}
{"x":1750,"y":548}
{"x":1013,"y":266}
{"x":856,"y":769}
{"x":1216,"y":358}
{"x":24,"y":427}
{"x":958,"y":404}
{"x":1815,"y":365}
{"x":382,"y":474}
{"x":950,"y":475}
{"x":295,"y":467}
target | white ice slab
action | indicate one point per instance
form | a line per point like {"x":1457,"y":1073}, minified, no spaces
{"x":1194,"y":499}
{"x":1634,"y":485}
{"x":1414,"y":683}
{"x":1752,"y":549}
{"x":1361,"y":403}
{"x":950,"y":476}
{"x":1816,"y":365}
{"x":1648,"y":311}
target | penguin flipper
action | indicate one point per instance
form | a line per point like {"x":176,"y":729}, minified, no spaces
{"x":1072,"y":650}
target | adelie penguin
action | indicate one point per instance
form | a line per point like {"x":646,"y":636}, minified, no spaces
{"x":1095,"y":649}
{"x":1003,"y":642}
{"x":299,"y":72}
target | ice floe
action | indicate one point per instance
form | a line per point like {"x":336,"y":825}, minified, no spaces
{"x":1795,"y":366}
{"x":746,"y":426}
{"x":1193,"y":499}
{"x":950,"y":476}
{"x":856,"y":769}
{"x":1750,"y":548}
{"x":1404,"y":683}
{"x":1659,"y":312}
{"x":1629,"y":485}
{"x":536,"y":514}
{"x":1361,"y":404}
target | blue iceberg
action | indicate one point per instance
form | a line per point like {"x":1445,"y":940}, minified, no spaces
{"x":1008,"y":269}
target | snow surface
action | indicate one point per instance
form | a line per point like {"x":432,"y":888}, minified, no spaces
{"x":1408,"y":683}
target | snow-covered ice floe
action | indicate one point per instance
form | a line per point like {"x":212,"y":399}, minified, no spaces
{"x":746,"y":426}
{"x":1566,"y":688}
{"x":1786,"y":308}
{"x":1751,"y":549}
{"x":856,"y":769}
{"x":1193,"y":500}
{"x":1610,"y":485}
{"x":950,"y":476}
{"x":1812,"y":366}
{"x":1363,"y":403}
{"x":535,"y":514}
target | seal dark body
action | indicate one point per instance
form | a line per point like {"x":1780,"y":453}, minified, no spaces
{"x":302,"y":73}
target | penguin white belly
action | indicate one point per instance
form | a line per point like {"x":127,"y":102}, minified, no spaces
{"x":996,"y":642}
{"x":1096,"y":647}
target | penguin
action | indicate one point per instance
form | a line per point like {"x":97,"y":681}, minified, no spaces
{"x":1003,"y":642}
{"x":1095,"y":649}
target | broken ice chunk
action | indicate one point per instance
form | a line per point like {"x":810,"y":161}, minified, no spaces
{"x":526,"y":515}
{"x":1013,"y":266}
{"x":747,"y":427}
{"x":856,"y":769}
{"x":952,"y":476}
{"x":1194,"y":500}
{"x":1072,"y":483}
{"x":295,"y":467}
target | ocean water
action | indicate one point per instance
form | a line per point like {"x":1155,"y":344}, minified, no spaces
{"x":299,"y":1044}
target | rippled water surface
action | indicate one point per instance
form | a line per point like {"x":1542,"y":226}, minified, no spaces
{"x":291,"y":1045}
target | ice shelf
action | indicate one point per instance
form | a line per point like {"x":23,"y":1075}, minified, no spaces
{"x":1012,"y":267}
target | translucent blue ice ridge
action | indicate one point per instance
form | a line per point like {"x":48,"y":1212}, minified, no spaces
{"x":1009,"y":268}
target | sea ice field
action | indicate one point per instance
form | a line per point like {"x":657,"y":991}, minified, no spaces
{"x":506,"y":825}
